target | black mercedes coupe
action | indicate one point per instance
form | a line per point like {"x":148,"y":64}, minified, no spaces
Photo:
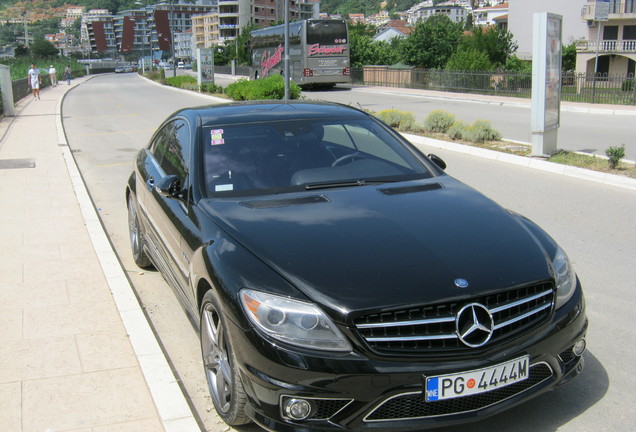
{"x":340,"y":280}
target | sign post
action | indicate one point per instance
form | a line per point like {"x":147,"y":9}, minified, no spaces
{"x":546,"y":82}
{"x":205,"y":63}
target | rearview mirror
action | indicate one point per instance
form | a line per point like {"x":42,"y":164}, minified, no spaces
{"x":437,"y":161}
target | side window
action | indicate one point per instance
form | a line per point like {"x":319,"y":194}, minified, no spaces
{"x":171,"y":149}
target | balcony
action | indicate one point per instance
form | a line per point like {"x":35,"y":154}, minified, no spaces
{"x":606,"y":46}
{"x":625,"y":10}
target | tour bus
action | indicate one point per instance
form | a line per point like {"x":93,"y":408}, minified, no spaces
{"x":318,"y":52}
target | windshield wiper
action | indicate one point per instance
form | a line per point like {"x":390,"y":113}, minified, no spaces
{"x":328,"y":185}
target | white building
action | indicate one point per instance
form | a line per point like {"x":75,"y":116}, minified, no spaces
{"x":617,"y":45}
{"x":520,"y":13}
{"x":485,"y":16}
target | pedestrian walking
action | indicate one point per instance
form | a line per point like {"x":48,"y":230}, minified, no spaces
{"x":33,"y":78}
{"x":53,"y":76}
{"x":67,"y":74}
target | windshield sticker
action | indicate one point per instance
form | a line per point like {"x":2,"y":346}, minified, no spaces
{"x":217,"y":136}
{"x":223,"y":188}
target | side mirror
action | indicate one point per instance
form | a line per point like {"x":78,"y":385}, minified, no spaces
{"x":169,"y":186}
{"x":437,"y":161}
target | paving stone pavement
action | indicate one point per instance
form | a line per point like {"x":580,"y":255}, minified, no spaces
{"x":68,"y":362}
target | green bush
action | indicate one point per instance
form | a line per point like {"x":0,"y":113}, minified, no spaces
{"x":211,"y":88}
{"x":401,"y":120}
{"x":482,"y":131}
{"x":180,"y":80}
{"x":439,"y":121}
{"x":272,"y":87}
{"x":457,"y":130}
{"x":615,"y":154}
{"x":628,"y":85}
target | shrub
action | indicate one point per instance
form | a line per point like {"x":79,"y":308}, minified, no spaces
{"x":615,"y":154}
{"x":457,"y":130}
{"x":180,"y":80}
{"x":401,"y":120}
{"x":482,"y":131}
{"x":628,"y":85}
{"x":439,"y":121}
{"x":272,"y":87}
{"x":211,"y":88}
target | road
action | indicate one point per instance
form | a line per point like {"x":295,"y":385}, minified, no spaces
{"x":590,"y":133}
{"x":110,"y":117}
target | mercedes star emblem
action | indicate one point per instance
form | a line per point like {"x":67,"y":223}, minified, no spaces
{"x":474,"y":325}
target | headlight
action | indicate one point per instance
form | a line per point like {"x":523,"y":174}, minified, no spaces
{"x":292,"y":321}
{"x":565,"y":278}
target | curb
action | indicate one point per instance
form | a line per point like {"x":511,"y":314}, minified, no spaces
{"x":565,"y":106}
{"x":174,"y":411}
{"x":538,"y":164}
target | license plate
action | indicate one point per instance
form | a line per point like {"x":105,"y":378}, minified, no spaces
{"x":476,"y":381}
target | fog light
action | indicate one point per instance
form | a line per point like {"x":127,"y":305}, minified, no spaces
{"x":579,"y":347}
{"x":297,"y":409}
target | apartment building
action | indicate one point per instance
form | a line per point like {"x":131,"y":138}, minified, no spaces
{"x":457,"y":13}
{"x":152,"y":28}
{"x":520,"y":21}
{"x":616,"y":46}
{"x":205,"y":30}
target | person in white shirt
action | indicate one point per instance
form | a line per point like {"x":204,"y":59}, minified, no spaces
{"x":33,"y":77}
{"x":53,"y":76}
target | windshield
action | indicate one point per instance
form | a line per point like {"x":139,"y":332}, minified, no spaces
{"x":284,"y":156}
{"x":327,"y":32}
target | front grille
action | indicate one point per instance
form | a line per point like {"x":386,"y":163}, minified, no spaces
{"x":412,"y":405}
{"x":432,"y":328}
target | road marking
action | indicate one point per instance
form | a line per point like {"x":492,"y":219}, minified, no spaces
{"x":106,"y":116}
{"x":117,"y":133}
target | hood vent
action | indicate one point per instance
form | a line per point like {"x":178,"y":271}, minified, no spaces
{"x":411,"y":189}
{"x":265,"y":204}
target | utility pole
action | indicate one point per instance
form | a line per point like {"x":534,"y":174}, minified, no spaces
{"x":286,"y":61}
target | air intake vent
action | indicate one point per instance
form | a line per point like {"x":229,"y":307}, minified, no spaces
{"x":411,"y":189}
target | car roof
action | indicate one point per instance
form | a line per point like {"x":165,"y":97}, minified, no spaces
{"x":266,"y":111}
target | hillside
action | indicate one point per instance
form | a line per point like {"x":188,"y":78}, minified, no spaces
{"x":346,"y":7}
{"x":46,"y":9}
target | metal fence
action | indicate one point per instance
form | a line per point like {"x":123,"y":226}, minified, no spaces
{"x":591,"y":88}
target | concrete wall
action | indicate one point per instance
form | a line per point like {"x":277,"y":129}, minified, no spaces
{"x":521,"y":15}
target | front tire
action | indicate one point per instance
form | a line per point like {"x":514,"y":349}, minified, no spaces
{"x":136,"y":236}
{"x":224,"y":381}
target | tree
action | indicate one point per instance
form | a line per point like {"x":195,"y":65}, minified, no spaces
{"x":497,"y":43}
{"x":42,"y":48}
{"x":469,"y":59}
{"x":21,"y":51}
{"x":569,"y":57}
{"x":432,"y":42}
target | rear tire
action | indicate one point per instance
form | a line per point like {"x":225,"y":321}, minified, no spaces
{"x":221,"y":372}
{"x":136,"y":236}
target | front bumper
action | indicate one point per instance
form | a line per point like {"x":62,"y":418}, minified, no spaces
{"x":369,"y":392}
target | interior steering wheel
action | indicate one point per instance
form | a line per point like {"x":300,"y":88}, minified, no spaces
{"x":345,"y":158}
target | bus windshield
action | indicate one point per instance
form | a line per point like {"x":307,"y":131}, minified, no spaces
{"x":326,"y":32}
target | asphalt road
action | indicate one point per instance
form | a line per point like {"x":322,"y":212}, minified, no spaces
{"x":110,"y":117}
{"x":590,"y":133}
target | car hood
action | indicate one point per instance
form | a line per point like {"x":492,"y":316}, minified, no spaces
{"x":380,"y":247}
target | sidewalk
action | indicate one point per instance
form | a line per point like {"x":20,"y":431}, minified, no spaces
{"x":77,"y":352}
